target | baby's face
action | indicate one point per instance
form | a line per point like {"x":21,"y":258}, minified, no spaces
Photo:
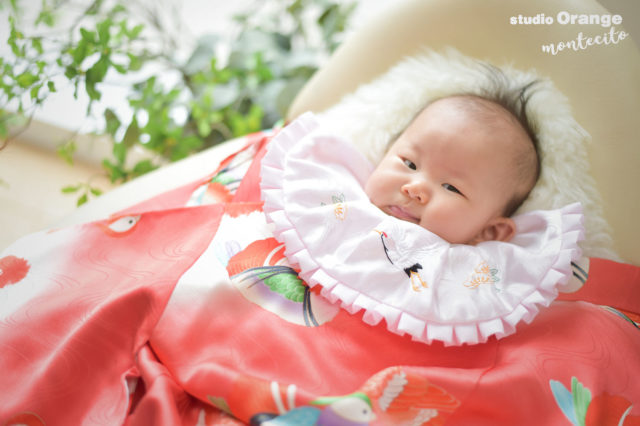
{"x":450,"y":172}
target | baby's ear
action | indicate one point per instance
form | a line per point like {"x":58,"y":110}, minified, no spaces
{"x":498,"y":229}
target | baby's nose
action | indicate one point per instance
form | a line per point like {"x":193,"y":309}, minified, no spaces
{"x":417,"y":191}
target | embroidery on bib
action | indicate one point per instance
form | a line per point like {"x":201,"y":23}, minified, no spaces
{"x":482,"y":274}
{"x":409,"y":266}
{"x":417,"y":283}
{"x":339,"y":206}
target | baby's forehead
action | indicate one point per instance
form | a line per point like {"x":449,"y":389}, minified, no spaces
{"x":472,"y":114}
{"x":473,"y":108}
{"x":488,"y":116}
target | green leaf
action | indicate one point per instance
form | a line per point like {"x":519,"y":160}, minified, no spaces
{"x":95,"y":191}
{"x":14,"y":35}
{"x":104,"y":32}
{"x":581,"y":400}
{"x":70,"y":72}
{"x":82,"y":199}
{"x":120,"y":152}
{"x":287,"y":284}
{"x":142,"y":167}
{"x":295,"y":7}
{"x":96,"y":75}
{"x":112,"y":122}
{"x":114,"y":172}
{"x":94,"y":94}
{"x":70,"y":189}
{"x":26,"y":79}
{"x":185,"y":146}
{"x":51,"y":86}
{"x":120,"y":68}
{"x":66,"y":151}
{"x":283,"y":41}
{"x":99,"y":70}
{"x":254,"y":119}
{"x":135,"y":63}
{"x":36,"y":43}
{"x":33,"y":93}
{"x":117,"y":9}
{"x":41,"y":66}
{"x":135,"y":31}
{"x":82,"y":49}
{"x":87,"y":36}
{"x":132,"y":135}
{"x":95,"y":7}
{"x":204,"y":129}
{"x":45,"y":17}
{"x":14,"y":5}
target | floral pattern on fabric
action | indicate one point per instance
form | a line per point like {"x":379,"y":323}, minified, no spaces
{"x":12,"y":270}
{"x":581,"y":408}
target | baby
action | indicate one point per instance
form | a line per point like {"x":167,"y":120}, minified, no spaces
{"x":460,"y":169}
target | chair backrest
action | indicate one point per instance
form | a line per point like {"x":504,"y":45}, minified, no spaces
{"x":601,"y":79}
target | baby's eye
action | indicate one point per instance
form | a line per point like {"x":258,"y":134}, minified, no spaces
{"x":451,"y":188}
{"x":410,"y":164}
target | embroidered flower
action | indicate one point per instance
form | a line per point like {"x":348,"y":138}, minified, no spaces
{"x":339,"y":206}
{"x":482,"y":274}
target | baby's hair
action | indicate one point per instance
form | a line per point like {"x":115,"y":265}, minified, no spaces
{"x":502,"y":91}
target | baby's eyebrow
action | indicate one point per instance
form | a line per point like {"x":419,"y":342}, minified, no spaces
{"x":416,"y":148}
{"x":458,"y":177}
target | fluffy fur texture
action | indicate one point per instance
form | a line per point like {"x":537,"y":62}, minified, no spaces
{"x":379,"y":111}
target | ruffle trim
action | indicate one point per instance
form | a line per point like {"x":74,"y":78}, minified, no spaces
{"x":398,"y":321}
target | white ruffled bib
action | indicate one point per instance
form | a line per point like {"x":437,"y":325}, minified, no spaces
{"x":312,"y":186}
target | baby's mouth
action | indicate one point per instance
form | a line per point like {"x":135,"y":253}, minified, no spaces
{"x":401,"y":213}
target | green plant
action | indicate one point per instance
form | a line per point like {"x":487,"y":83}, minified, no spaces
{"x":274,"y":49}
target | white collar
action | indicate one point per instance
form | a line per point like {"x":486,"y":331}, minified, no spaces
{"x":395,"y":270}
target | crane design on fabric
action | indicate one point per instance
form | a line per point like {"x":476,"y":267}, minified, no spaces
{"x":393,"y":396}
{"x":402,"y":261}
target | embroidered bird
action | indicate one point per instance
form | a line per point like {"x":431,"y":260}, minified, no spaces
{"x":404,"y":260}
{"x":350,"y":410}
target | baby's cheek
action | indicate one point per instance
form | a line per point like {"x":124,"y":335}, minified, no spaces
{"x":446,"y":224}
{"x":374,"y":187}
{"x":367,"y":188}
